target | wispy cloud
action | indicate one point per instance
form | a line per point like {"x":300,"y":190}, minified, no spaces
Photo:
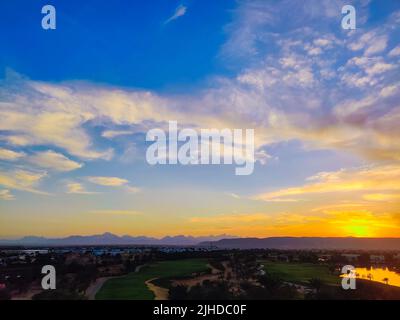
{"x":114,"y":182}
{"x":110,"y":134}
{"x":180,"y":11}
{"x":6,"y":154}
{"x":365,"y":179}
{"x":108,"y":181}
{"x":54,"y":161}
{"x":23,"y":180}
{"x":233,"y":195}
{"x":77,"y":188}
{"x":5,"y":194}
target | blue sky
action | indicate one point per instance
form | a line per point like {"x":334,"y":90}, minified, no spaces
{"x":76,"y":103}
{"x":123,"y":43}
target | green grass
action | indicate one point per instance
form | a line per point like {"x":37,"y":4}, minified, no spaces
{"x":300,"y":273}
{"x":133,"y":287}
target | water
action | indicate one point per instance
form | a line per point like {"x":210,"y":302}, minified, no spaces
{"x":378,"y":275}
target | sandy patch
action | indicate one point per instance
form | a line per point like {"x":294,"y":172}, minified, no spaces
{"x":159,"y":292}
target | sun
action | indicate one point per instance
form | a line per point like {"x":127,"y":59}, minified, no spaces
{"x":358,"y":231}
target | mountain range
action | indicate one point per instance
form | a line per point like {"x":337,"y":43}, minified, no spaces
{"x":221,"y":241}
{"x":108,"y":238}
{"x":300,"y":243}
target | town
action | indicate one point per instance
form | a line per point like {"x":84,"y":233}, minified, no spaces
{"x":195,"y":272}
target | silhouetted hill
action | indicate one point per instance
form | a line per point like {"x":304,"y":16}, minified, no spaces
{"x":307,"y":243}
{"x":109,"y":239}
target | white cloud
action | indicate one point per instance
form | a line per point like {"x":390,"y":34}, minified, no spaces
{"x":314,"y":51}
{"x":390,"y":90}
{"x":368,"y":71}
{"x":362,"y":41}
{"x":180,"y":11}
{"x":55,"y":161}
{"x":378,"y":45}
{"x":379,"y":67}
{"x":322,"y":42}
{"x":395,"y":52}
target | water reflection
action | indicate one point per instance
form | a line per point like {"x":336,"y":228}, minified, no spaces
{"x":382,"y":275}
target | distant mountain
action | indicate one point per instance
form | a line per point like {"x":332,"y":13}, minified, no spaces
{"x":307,"y":243}
{"x":221,"y":241}
{"x":109,"y":239}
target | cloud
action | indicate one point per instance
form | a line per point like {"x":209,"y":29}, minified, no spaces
{"x":114,"y":182}
{"x":77,"y":188}
{"x":382,"y":197}
{"x":180,"y":11}
{"x":5,"y":194}
{"x":340,"y":99}
{"x":115,"y":133}
{"x":23,"y":180}
{"x":55,"y":161}
{"x":395,"y":52}
{"x":42,"y":114}
{"x":131,"y":189}
{"x":108,"y":181}
{"x":280,"y":101}
{"x":233,"y":195}
{"x":389,"y":90}
{"x":6,"y":154}
{"x":372,"y":42}
{"x":378,"y":45}
{"x":364,"y":179}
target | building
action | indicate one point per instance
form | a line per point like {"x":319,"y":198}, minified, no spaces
{"x":376,"y":258}
{"x":350,"y":257}
{"x":324,"y":257}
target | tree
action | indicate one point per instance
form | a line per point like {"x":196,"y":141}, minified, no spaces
{"x":270,"y":282}
{"x":178,"y":292}
{"x":316,"y":283}
{"x":5,"y":294}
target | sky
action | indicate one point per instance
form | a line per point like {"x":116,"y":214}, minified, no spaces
{"x":76,"y":104}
